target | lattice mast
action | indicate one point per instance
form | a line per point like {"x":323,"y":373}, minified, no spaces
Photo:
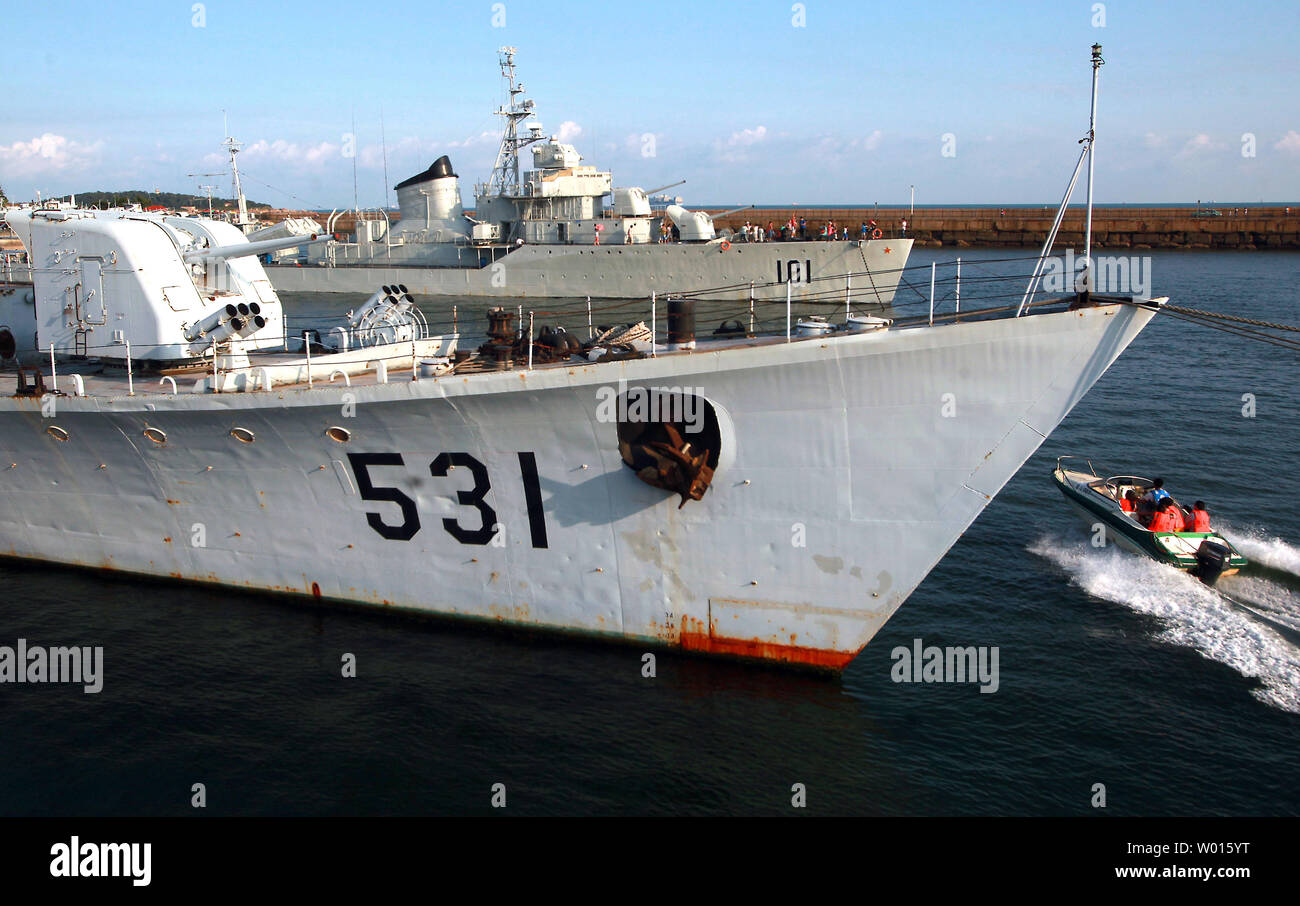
{"x":505,"y":178}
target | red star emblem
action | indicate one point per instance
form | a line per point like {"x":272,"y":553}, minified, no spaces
{"x":886,"y":250}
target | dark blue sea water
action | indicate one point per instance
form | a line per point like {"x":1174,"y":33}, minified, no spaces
{"x":1112,"y":670}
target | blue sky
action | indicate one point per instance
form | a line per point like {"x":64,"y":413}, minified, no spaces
{"x":742,"y":101}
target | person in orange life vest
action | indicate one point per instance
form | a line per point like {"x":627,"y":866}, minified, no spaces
{"x":1200,"y":519}
{"x":1128,"y":501}
{"x":1168,"y":518}
{"x":1159,"y":521}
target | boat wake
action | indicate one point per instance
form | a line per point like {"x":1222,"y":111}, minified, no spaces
{"x":1264,"y":549}
{"x":1259,"y":640}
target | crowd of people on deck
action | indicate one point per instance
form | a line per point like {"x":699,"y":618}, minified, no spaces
{"x":1157,"y":510}
{"x":793,"y":229}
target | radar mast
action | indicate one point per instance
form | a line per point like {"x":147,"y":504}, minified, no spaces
{"x":505,"y":176}
{"x":234,"y":147}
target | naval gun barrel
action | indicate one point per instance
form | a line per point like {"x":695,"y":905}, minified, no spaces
{"x":671,"y":185}
{"x":244,"y":249}
{"x":743,"y":207}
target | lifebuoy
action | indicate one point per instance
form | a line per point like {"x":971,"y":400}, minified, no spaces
{"x":725,"y":245}
{"x":876,"y":233}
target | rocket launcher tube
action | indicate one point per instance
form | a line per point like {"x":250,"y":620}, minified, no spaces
{"x":211,"y":322}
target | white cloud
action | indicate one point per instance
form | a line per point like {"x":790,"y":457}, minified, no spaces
{"x":372,"y":156}
{"x":735,"y":149}
{"x":292,"y":152}
{"x":569,"y":130}
{"x":1290,"y":143}
{"x":747,"y":137}
{"x":479,"y":139}
{"x":834,"y":148}
{"x":1198,"y":144}
{"x":48,"y":153}
{"x":1151,"y":140}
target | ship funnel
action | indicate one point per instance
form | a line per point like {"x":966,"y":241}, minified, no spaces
{"x":430,"y":202}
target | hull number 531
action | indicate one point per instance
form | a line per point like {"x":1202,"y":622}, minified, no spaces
{"x":476,"y":528}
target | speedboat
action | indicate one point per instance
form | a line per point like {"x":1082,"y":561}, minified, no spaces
{"x":1206,"y":555}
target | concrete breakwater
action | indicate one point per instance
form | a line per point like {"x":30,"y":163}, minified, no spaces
{"x":1115,"y":228}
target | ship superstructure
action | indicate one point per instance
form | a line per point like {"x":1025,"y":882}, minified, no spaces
{"x":563,"y":229}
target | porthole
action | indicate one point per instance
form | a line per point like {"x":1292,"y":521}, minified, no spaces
{"x":243,"y":435}
{"x":337,"y":434}
{"x":57,"y":433}
{"x":157,"y":435}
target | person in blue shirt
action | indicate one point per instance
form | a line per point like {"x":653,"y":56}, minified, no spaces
{"x":1157,"y":494}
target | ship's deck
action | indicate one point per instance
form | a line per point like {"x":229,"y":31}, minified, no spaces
{"x":110,"y":378}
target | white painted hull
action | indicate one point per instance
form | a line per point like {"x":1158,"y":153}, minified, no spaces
{"x":850,"y":442}
{"x":626,"y":271}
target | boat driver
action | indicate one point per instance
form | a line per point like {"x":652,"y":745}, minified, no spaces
{"x":1157,"y":494}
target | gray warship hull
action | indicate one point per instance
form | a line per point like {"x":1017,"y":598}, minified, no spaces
{"x":620,"y":271}
{"x":848,"y":466}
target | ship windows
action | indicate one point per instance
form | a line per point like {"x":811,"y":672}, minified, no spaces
{"x":157,"y":435}
{"x":57,"y":433}
{"x":243,"y":435}
{"x":338,"y":435}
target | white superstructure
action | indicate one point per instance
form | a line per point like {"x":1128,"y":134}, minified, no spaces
{"x":562,"y":228}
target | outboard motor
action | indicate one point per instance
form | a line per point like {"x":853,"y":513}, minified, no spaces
{"x":1211,"y":560}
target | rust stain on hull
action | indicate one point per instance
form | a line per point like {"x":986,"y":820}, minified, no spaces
{"x":695,"y":636}
{"x":753,"y":649}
